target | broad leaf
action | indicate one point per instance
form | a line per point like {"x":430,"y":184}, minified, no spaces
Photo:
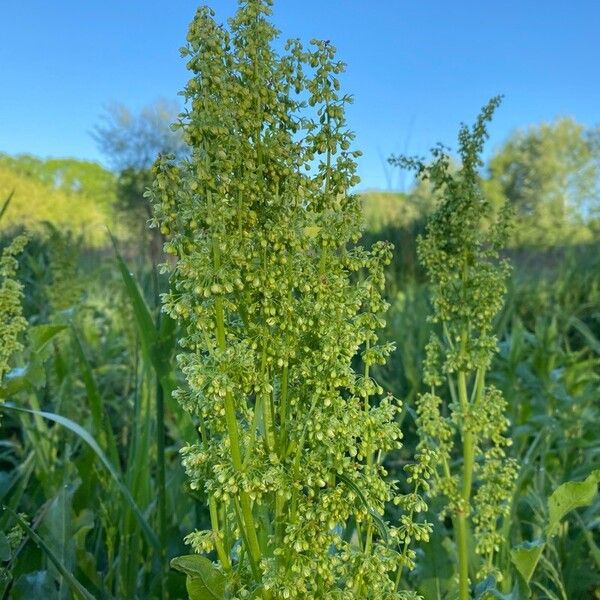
{"x":568,"y":496}
{"x":205,"y":581}
{"x":486,"y":590}
{"x":41,"y":335}
{"x":525,"y":557}
{"x":564,"y":499}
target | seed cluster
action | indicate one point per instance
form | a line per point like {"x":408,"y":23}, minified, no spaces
{"x":461,"y":255}
{"x":11,"y":312}
{"x":277,"y":301}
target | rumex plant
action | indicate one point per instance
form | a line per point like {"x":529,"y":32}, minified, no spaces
{"x":13,"y":323}
{"x":460,"y":252}
{"x":276,"y":301}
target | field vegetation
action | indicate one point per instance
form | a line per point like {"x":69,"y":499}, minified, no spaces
{"x":310,"y":393}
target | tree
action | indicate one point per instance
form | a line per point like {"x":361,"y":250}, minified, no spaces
{"x":549,"y":173}
{"x":131,"y":142}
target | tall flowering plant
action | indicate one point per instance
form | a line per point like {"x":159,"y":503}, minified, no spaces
{"x":276,"y":301}
{"x":461,"y":414}
{"x":12,"y":321}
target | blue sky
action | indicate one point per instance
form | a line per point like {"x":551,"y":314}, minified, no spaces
{"x":416,"y":69}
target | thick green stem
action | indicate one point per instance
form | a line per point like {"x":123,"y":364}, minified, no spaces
{"x":214,"y":515}
{"x":369,"y":540}
{"x":468,"y":438}
{"x":467,"y":484}
{"x":283,"y":410}
{"x":232,"y":429}
{"x":463,"y":556}
{"x":214,"y":521}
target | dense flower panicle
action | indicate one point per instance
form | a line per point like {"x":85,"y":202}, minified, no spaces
{"x":277,"y":301}
{"x":460,"y":252}
{"x":12,"y":321}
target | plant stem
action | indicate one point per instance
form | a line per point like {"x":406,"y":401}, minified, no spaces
{"x":161,"y":478}
{"x":214,"y":515}
{"x":468,"y":438}
{"x":463,"y":555}
{"x":247,"y":519}
{"x":283,"y":410}
{"x":468,"y":463}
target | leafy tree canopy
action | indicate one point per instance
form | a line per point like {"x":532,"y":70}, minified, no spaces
{"x":550,"y":175}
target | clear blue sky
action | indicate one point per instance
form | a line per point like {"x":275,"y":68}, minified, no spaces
{"x":417,"y":68}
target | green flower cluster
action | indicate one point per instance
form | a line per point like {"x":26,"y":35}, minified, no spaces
{"x":461,"y":255}
{"x":276,"y":302}
{"x":11,"y":312}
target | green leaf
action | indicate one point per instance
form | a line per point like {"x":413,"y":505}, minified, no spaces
{"x":565,"y":498}
{"x":525,"y":557}
{"x":33,"y":375}
{"x":198,"y":590}
{"x":483,"y":588}
{"x":56,"y":527}
{"x":91,"y":442}
{"x":569,"y":496}
{"x":146,"y":328}
{"x":587,"y":333}
{"x":156,"y":345}
{"x":78,"y":589}
{"x":41,"y":335}
{"x":16,"y":380}
{"x":379,"y":522}
{"x":487,"y":589}
{"x":205,"y":581}
{"x":102,"y":425}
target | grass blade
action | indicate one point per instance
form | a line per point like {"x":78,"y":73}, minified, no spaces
{"x":6,"y":203}
{"x":91,"y":442}
{"x":102,"y":426}
{"x":586,"y":333}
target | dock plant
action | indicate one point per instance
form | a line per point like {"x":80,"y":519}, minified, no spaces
{"x":12,"y":321}
{"x":461,"y":415}
{"x":278,"y":305}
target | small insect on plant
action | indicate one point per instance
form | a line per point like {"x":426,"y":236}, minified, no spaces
{"x":276,"y":301}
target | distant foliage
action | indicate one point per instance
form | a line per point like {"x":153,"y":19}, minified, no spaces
{"x":73,"y":195}
{"x":550,"y":174}
{"x":131,"y":140}
{"x":80,"y":177}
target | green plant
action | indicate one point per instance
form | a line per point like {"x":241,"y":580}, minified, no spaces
{"x":275,"y":304}
{"x":551,"y":376}
{"x":460,"y":254}
{"x":81,"y":489}
{"x":13,"y":323}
